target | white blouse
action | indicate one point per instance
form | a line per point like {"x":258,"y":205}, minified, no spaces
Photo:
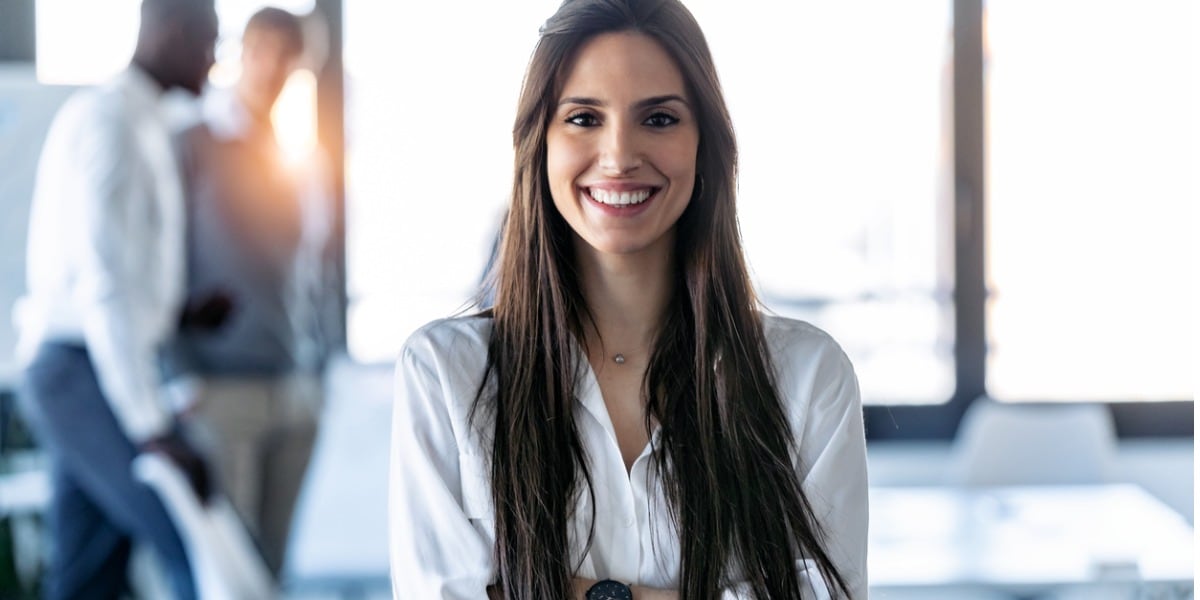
{"x":441,"y":524}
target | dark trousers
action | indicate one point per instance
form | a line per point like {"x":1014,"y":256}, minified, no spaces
{"x":97,"y":509}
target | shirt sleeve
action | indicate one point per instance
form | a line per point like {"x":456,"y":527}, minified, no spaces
{"x":833,"y":470}
{"x":118,"y":317}
{"x":435,"y":550}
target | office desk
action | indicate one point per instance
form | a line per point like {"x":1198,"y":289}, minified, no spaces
{"x":1027,"y":541}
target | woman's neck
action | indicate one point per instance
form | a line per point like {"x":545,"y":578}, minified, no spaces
{"x":627,"y":295}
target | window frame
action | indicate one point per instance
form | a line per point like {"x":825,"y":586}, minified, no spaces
{"x":1170,"y":419}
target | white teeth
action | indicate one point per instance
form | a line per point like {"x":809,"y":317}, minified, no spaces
{"x":619,"y":198}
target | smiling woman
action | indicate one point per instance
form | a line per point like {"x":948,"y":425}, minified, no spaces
{"x":625,"y":423}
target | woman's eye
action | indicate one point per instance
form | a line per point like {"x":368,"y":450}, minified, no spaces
{"x":582,"y":120}
{"x":661,"y":120}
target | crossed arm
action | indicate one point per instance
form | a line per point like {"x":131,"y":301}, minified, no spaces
{"x":582,"y":584}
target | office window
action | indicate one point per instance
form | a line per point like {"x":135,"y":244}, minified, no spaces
{"x":1089,"y":238}
{"x":839,"y":111}
{"x":83,"y":42}
{"x":431,"y":92}
{"x":842,"y":116}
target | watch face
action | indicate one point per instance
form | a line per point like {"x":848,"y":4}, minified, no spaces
{"x":609,"y":590}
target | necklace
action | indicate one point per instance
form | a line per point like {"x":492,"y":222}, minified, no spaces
{"x":619,"y":358}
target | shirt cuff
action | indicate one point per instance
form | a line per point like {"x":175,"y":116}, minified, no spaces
{"x":146,"y":426}
{"x":180,"y":393}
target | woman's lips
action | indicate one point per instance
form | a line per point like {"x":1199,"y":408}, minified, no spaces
{"x":621,"y":202}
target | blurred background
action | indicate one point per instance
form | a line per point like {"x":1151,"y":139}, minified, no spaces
{"x":989,"y":204}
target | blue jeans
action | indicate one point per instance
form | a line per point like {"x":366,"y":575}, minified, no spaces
{"x":97,"y":508}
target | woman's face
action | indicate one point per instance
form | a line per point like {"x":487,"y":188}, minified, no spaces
{"x":621,"y":146}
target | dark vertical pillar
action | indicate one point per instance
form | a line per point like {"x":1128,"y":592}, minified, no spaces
{"x":970,"y":288}
{"x":17,"y":31}
{"x":331,"y":110}
{"x":970,"y":295}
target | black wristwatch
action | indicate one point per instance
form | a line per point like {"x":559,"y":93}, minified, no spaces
{"x":609,"y":590}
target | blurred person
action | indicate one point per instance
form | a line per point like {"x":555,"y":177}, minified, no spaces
{"x":105,"y":290}
{"x":625,"y":422}
{"x":257,"y":230}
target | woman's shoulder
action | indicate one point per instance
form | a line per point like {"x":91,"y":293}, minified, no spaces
{"x":437,"y":379}
{"x":455,"y":344}
{"x":786,"y":333}
{"x":804,"y":353}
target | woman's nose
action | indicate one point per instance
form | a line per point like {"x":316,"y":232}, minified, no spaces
{"x":619,"y":154}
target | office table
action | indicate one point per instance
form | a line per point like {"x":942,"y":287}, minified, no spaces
{"x":1028,"y":541}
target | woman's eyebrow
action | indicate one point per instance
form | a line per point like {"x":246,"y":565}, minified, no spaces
{"x":656,"y":100}
{"x":651,"y":101}
{"x":581,"y":101}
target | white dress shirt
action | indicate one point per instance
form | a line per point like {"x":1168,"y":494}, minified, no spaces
{"x":105,"y":254}
{"x":442,"y":528}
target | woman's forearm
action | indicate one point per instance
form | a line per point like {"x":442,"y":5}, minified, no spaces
{"x":581,"y":585}
{"x":646,"y":593}
{"x":640,"y":592}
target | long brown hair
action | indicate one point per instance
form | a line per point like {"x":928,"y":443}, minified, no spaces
{"x":725,"y":449}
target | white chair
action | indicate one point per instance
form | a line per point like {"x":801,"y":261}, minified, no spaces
{"x":1031,"y":444}
{"x":225,"y":563}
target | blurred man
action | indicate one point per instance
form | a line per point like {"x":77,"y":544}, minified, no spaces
{"x":257,"y":229}
{"x":105,"y":265}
